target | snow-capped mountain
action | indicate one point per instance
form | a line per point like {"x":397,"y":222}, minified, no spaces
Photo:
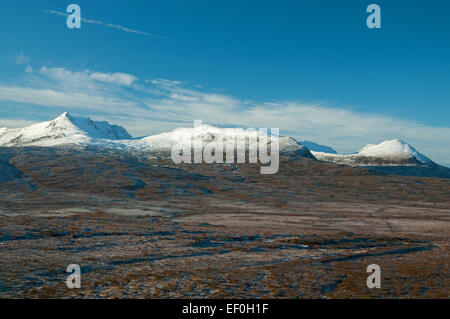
{"x":211,"y":136}
{"x":395,"y":149}
{"x":387,"y":153}
{"x":65,"y":129}
{"x":392,"y":156}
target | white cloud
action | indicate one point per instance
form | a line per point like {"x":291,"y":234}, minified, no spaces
{"x":65,"y":100}
{"x":67,"y":75}
{"x":21,"y":59}
{"x":165,"y":83}
{"x":117,"y":78}
{"x":11,"y":123}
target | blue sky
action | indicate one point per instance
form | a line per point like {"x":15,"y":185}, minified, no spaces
{"x":311,"y":68}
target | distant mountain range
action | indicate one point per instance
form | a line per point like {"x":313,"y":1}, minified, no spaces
{"x":392,"y":156}
{"x":389,"y":157}
{"x":388,"y":153}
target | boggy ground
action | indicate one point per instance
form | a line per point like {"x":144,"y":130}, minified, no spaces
{"x":141,"y":227}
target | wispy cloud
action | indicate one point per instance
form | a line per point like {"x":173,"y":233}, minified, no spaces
{"x":21,"y":59}
{"x":110,"y":25}
{"x":63,"y":74}
{"x":150,"y":106}
{"x":78,"y":101}
{"x":12,"y":123}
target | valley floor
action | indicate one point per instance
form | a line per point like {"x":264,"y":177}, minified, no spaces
{"x":141,"y":230}
{"x":318,"y":253}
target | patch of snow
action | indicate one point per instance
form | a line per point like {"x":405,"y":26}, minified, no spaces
{"x":393,"y":148}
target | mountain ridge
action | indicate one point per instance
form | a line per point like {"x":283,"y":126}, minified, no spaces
{"x":67,"y":129}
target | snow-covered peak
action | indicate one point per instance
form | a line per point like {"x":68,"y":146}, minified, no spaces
{"x":204,"y":133}
{"x":207,"y":134}
{"x":211,"y":136}
{"x":65,"y":129}
{"x":94,"y":129}
{"x":396,"y":149}
{"x":63,"y":116}
{"x":387,"y":153}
